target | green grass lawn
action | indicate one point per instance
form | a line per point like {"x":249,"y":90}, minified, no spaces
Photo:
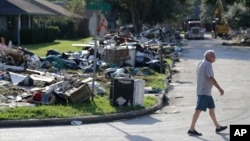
{"x":100,"y":104}
{"x":60,"y":45}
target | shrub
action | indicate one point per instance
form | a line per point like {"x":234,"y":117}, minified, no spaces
{"x":39,"y":35}
{"x":7,"y":35}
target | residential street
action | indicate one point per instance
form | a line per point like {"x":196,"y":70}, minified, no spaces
{"x":172,"y":122}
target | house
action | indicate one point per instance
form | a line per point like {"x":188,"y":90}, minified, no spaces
{"x":17,"y":14}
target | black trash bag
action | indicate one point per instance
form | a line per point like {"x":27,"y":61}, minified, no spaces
{"x":46,"y":65}
{"x":52,"y":52}
{"x":70,"y":64}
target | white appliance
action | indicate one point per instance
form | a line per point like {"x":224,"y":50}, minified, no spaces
{"x":138,"y":99}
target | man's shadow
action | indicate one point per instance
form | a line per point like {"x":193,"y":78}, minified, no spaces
{"x":223,"y":136}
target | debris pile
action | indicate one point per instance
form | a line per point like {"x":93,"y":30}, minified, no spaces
{"x":62,"y":77}
{"x":239,"y":38}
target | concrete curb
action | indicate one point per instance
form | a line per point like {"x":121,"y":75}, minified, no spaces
{"x":83,"y":120}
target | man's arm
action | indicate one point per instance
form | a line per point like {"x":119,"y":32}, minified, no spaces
{"x":214,"y":82}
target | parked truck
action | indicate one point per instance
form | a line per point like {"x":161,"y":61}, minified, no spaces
{"x":194,"y":30}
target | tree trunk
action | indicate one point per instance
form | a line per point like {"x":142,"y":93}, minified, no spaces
{"x":133,"y":7}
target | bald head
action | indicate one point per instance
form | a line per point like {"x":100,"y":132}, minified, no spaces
{"x":208,"y":52}
{"x":209,"y":55}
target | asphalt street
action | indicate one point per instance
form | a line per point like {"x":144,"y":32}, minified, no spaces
{"x":171,"y":122}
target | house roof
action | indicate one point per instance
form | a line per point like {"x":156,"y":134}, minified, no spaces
{"x":54,"y":8}
{"x":33,"y":7}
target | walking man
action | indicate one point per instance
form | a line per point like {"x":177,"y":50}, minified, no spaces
{"x":205,"y":82}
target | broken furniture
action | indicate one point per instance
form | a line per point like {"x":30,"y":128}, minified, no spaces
{"x":78,"y":93}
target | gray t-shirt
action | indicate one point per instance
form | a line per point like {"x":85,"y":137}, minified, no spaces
{"x":203,"y":72}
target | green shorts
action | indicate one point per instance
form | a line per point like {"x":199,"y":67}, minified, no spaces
{"x":204,"y":102}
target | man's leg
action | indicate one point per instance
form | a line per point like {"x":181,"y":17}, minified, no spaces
{"x":195,"y":118}
{"x":199,"y":107}
{"x":192,"y":130}
{"x":213,"y":117}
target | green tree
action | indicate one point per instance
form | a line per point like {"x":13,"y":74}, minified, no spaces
{"x":161,"y":10}
{"x":207,"y":12}
{"x":69,"y":26}
{"x":238,"y":16}
{"x":140,"y":12}
{"x":152,"y":11}
{"x":231,"y":2}
{"x":77,"y":6}
{"x":129,"y":8}
{"x":236,"y":12}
